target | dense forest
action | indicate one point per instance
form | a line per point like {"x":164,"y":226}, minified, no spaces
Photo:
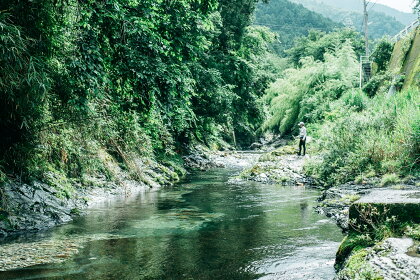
{"x":290,"y":21}
{"x":351,"y":15}
{"x":142,"y":77}
{"x":152,"y":78}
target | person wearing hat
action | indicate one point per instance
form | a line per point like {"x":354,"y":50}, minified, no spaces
{"x":302,"y":138}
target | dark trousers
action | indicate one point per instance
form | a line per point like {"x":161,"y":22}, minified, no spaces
{"x":302,"y":143}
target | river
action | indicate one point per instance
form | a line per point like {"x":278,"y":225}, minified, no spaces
{"x":201,"y":228}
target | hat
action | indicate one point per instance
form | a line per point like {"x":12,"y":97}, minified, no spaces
{"x":301,"y":123}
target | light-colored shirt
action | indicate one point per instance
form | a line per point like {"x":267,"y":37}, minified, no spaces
{"x":302,"y":133}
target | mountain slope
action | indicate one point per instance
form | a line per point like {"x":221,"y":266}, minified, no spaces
{"x":289,"y":21}
{"x":380,"y":24}
{"x":356,"y":6}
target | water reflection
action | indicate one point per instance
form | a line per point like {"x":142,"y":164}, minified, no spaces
{"x":200,"y":229}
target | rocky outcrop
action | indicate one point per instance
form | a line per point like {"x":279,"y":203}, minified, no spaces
{"x":335,"y":202}
{"x":280,"y":166}
{"x":383,"y":206}
{"x":392,"y":259}
{"x":36,"y":206}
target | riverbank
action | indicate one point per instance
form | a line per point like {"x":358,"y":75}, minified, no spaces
{"x":38,"y":206}
{"x":30,"y":207}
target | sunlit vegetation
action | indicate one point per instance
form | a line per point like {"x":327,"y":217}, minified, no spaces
{"x":355,"y":132}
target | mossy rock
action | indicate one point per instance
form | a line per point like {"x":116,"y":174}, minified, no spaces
{"x":357,"y":267}
{"x":351,"y":243}
{"x":285,"y":150}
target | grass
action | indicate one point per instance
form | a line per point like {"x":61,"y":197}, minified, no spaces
{"x":381,"y":139}
{"x":413,"y":231}
{"x":389,"y":179}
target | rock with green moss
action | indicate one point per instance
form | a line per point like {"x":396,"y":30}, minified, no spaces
{"x":389,"y":260}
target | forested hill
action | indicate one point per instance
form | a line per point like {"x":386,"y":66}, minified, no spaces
{"x":380,"y":23}
{"x":356,"y":6}
{"x":290,"y":21}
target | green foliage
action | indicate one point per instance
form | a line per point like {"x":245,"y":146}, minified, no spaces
{"x":382,"y":54}
{"x":317,"y":44}
{"x":140,"y":78}
{"x":413,"y":231}
{"x":384,"y":137}
{"x":355,"y":99}
{"x":290,"y":21}
{"x":305,"y":94}
{"x":378,"y":81}
{"x":352,"y":242}
{"x":389,"y":179}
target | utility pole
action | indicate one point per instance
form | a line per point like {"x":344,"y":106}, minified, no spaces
{"x":365,"y":63}
{"x":366,"y":17}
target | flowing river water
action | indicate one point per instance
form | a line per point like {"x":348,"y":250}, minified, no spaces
{"x":201,"y":228}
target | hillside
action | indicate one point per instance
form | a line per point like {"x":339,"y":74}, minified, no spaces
{"x":382,"y":21}
{"x":289,"y":21}
{"x":356,"y":6}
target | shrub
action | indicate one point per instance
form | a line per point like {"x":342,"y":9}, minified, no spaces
{"x":383,"y":138}
{"x":389,"y":179}
{"x":305,"y":94}
{"x":383,"y":79}
{"x":355,"y":99}
{"x":382,"y":54}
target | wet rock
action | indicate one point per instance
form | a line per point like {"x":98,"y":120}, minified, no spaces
{"x":335,"y":202}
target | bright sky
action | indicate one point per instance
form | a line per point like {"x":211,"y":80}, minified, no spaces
{"x":402,"y":5}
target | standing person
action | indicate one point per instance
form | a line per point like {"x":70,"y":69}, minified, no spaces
{"x":302,"y":138}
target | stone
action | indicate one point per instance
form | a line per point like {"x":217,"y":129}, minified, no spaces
{"x":402,"y":206}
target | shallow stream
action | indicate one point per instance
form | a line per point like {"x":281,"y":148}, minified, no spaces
{"x":202,"y":228}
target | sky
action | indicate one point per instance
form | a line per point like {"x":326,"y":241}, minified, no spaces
{"x":402,"y":5}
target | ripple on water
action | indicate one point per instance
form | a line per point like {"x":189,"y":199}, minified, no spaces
{"x":202,"y":229}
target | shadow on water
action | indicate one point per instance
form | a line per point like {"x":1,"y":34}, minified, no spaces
{"x":202,"y":228}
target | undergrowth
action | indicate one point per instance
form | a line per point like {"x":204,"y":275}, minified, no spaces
{"x":383,"y":138}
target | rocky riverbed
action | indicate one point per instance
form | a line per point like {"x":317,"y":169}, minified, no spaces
{"x":38,"y":206}
{"x":276,"y":167}
{"x":24,"y":254}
